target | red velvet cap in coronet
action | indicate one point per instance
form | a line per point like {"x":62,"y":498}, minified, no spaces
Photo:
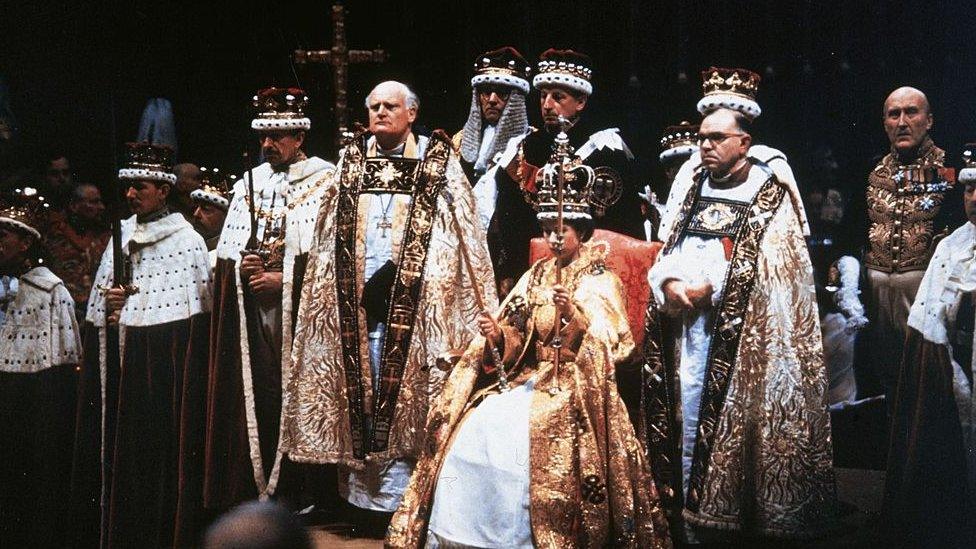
{"x":145,"y":161}
{"x":25,"y":211}
{"x":280,"y":109}
{"x":679,"y":141}
{"x":217,"y":187}
{"x":734,"y":89}
{"x":968,"y":172}
{"x":504,"y":66}
{"x":567,"y":68}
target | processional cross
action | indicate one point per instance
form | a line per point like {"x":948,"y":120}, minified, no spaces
{"x":339,"y":56}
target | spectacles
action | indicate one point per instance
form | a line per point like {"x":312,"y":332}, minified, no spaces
{"x":501,"y":91}
{"x":716,"y":138}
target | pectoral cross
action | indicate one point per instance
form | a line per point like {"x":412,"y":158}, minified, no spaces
{"x":384,"y":224}
{"x":339,"y":56}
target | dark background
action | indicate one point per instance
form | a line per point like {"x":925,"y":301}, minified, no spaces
{"x":79,"y":73}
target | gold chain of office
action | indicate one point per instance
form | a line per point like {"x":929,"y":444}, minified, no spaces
{"x":278,"y":213}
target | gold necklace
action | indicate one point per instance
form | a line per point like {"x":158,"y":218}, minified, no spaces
{"x":263,"y":213}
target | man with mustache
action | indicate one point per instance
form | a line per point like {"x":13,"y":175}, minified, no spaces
{"x":736,"y":420}
{"x":498,"y":115}
{"x":908,"y":214}
{"x":141,"y":415}
{"x":257,"y":280}
{"x":563,"y":78}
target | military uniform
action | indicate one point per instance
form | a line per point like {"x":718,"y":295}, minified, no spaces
{"x":909,"y":209}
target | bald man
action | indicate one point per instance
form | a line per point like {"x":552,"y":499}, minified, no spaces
{"x":908,"y":214}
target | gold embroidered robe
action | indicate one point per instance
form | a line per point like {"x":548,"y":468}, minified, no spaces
{"x":590,"y":485}
{"x":330,"y":404}
{"x":763,"y":460}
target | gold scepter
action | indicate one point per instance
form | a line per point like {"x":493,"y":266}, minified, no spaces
{"x":496,"y":356}
{"x":561,"y":154}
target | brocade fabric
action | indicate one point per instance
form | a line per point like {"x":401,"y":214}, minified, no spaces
{"x":317,"y":426}
{"x":590,"y":485}
{"x":903,"y":203}
{"x":764,"y":466}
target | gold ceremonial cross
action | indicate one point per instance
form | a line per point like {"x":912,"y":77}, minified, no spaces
{"x":339,"y":56}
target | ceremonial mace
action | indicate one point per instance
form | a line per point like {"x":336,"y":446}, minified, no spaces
{"x":496,"y":356}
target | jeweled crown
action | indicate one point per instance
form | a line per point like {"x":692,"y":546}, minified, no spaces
{"x":742,"y":82}
{"x":280,"y":103}
{"x":146,"y":156}
{"x":578,"y":179}
{"x":683,"y":134}
{"x":967,"y":174}
{"x":679,"y":141}
{"x":504,"y":66}
{"x":218,"y":182}
{"x":216,"y":187}
{"x":504,"y":60}
{"x":567,"y":68}
{"x":969,"y":155}
{"x":280,"y":109}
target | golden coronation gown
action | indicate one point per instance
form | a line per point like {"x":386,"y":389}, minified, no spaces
{"x":589,"y":484}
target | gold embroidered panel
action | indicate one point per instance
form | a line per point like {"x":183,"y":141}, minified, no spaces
{"x":716,"y":217}
{"x":727,"y":330}
{"x":903,"y":203}
{"x":424,"y":180}
{"x":389,"y":175}
{"x":658,"y":399}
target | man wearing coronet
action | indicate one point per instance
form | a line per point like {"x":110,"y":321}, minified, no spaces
{"x":259,"y":274}
{"x":563,"y":79}
{"x":210,"y":203}
{"x":498,"y":115}
{"x":145,"y":396}
{"x":736,"y":421}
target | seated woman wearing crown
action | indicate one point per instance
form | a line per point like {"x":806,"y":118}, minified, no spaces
{"x":538,"y":450}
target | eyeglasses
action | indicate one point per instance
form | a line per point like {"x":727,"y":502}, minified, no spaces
{"x":716,"y":138}
{"x":501,"y":91}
